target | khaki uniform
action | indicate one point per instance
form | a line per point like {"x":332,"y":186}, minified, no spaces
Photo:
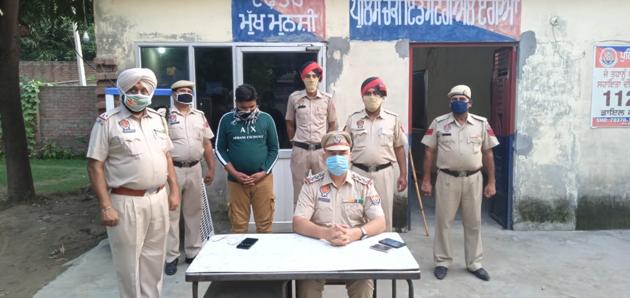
{"x":459,"y":148}
{"x":187,"y":132}
{"x":355,"y":203}
{"x":311,"y":118}
{"x":373,"y":145}
{"x":134,"y":153}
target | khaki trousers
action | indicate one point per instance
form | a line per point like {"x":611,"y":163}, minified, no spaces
{"x":362,"y":288}
{"x":189,"y":210}
{"x":261,"y":199}
{"x":453,"y":193}
{"x":385,"y":184}
{"x":138,"y":243}
{"x":303,"y":161}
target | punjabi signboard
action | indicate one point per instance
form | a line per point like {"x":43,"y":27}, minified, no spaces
{"x":610,"y":101}
{"x":436,"y":20}
{"x":278,"y":20}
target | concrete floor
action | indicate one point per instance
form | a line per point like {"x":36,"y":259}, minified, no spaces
{"x":521,"y":264}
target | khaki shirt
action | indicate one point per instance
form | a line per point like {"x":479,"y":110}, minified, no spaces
{"x":354,"y":203}
{"x":187,"y":131}
{"x":134,"y":151}
{"x":460,"y":147}
{"x":311,"y":116}
{"x":373,"y":141}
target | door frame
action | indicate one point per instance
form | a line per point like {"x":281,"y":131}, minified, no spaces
{"x":514,"y":45}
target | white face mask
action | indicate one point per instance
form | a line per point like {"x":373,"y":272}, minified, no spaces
{"x":137,"y":102}
{"x":372,"y":102}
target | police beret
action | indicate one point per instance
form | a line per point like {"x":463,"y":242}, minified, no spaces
{"x":337,"y":141}
{"x":460,"y":90}
{"x":182,"y":83}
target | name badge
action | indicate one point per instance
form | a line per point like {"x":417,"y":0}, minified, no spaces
{"x":323,"y":199}
{"x":301,"y":106}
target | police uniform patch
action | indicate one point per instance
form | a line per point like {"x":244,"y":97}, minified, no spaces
{"x":374,"y":200}
{"x":360,"y":123}
{"x":337,"y":139}
{"x":314,"y":178}
{"x":324,"y":190}
{"x":172,"y":119}
{"x":126,"y":126}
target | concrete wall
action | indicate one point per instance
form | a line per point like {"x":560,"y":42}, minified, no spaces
{"x":66,"y":116}
{"x":567,"y":175}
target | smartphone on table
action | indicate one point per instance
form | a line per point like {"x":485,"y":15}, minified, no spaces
{"x":247,"y":243}
{"x":392,"y":243}
{"x":380,"y":247}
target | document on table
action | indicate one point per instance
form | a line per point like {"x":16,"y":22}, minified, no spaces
{"x":295,"y":253}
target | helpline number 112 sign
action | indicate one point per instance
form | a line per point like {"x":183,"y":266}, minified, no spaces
{"x":610,"y":102}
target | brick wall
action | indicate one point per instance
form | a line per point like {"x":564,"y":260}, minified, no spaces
{"x":64,"y":72}
{"x":66,"y":116}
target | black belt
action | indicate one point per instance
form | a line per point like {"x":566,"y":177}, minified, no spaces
{"x":307,"y":146}
{"x":185,"y":164}
{"x":368,"y":168}
{"x":460,"y":173}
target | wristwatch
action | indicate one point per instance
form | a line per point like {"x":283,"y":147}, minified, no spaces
{"x":363,"y":233}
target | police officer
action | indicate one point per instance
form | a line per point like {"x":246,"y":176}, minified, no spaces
{"x":339,"y":206}
{"x":378,"y":142}
{"x":310,"y":114}
{"x":463,"y":143}
{"x":129,"y":164}
{"x":190,"y":134}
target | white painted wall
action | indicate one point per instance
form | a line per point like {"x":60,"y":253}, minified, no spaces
{"x":561,"y":162}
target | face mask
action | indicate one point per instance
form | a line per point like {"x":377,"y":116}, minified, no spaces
{"x":244,"y":114}
{"x":311,"y":84}
{"x":185,"y":98}
{"x":372,"y":102}
{"x":459,"y":107}
{"x":137,"y":102}
{"x":337,"y":164}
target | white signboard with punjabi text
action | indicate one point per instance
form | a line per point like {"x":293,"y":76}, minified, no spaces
{"x":610,"y":102}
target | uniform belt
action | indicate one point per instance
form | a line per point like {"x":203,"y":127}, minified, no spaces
{"x":460,"y":173}
{"x":185,"y":164}
{"x":307,"y":146}
{"x":374,"y":168}
{"x":135,"y":192}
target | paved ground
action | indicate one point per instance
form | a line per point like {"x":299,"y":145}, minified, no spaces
{"x":521,"y":264}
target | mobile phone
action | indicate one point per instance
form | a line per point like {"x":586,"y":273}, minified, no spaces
{"x":392,"y":243}
{"x":247,"y":243}
{"x":380,"y":247}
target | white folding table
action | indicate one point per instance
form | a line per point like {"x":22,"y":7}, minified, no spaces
{"x":294,"y":257}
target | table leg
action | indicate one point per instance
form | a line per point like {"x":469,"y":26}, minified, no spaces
{"x":410,"y":286}
{"x":393,"y":288}
{"x":374,"y":292}
{"x":195,"y":289}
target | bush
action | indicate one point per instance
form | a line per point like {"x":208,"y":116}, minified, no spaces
{"x":52,"y":151}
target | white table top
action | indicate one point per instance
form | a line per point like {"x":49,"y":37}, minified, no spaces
{"x":284,"y":253}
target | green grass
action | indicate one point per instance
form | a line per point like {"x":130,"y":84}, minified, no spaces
{"x":53,"y":176}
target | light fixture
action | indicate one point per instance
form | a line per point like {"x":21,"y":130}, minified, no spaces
{"x":161,"y":50}
{"x":86,"y":37}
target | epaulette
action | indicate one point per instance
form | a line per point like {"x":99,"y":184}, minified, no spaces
{"x":329,"y":95}
{"x":102,"y":118}
{"x":161,"y":111}
{"x":361,"y":179}
{"x":476,"y":117}
{"x":197,"y":111}
{"x":357,"y":112}
{"x":443,"y":117}
{"x":150,"y":110}
{"x":390,"y":112}
{"x":314,"y":178}
{"x":294,"y":93}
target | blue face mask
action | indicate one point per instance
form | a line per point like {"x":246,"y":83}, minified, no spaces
{"x":337,"y":164}
{"x":459,"y":107}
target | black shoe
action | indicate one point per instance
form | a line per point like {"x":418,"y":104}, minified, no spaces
{"x":440,"y":272}
{"x":171,"y":268}
{"x":190,"y":260}
{"x":481,"y":274}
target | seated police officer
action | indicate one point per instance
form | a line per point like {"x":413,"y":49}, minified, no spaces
{"x":338,"y":206}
